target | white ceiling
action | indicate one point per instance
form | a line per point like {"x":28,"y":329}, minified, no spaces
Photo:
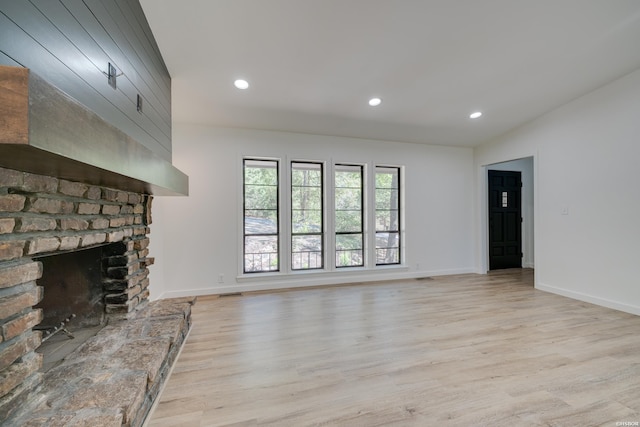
{"x":313,"y":64}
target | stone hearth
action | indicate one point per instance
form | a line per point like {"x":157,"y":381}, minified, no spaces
{"x":114,"y":377}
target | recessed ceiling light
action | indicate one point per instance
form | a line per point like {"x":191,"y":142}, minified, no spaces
{"x":241,"y":84}
{"x":374,"y":102}
{"x":475,"y":115}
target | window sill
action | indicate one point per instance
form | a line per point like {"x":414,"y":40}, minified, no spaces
{"x":341,"y":273}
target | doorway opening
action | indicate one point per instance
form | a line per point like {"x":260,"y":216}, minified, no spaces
{"x":501,"y":247}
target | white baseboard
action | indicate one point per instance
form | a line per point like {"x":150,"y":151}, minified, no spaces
{"x":290,"y":282}
{"x":616,"y":305}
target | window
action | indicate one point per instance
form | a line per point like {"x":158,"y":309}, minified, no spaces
{"x":307,"y":228}
{"x":261,"y":216}
{"x":348,"y":215}
{"x":387,"y":200}
{"x":293,"y":239}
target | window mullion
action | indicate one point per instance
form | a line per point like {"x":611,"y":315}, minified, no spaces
{"x":285,"y":218}
{"x":329,"y":202}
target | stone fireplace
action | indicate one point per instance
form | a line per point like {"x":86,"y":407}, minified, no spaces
{"x":54,"y":222}
{"x":86,"y":246}
{"x":75,"y":210}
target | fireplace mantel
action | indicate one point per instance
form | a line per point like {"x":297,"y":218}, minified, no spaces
{"x":44,"y":131}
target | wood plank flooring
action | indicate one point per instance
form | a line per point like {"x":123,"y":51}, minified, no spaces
{"x":467,"y":350}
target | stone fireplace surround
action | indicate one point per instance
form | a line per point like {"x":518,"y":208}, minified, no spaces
{"x":127,"y":361}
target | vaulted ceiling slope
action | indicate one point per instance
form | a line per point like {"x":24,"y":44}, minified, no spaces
{"x":312,"y":65}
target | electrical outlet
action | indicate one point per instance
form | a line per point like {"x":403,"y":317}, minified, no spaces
{"x":220,"y":278}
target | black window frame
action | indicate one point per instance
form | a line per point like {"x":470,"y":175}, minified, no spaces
{"x":244,"y":220}
{"x":389,"y":231}
{"x":321,"y":233}
{"x":362,"y":217}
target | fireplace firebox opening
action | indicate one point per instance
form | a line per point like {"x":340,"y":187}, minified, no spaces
{"x":73,"y":303}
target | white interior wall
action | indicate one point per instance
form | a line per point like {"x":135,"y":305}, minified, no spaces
{"x":587,"y":202}
{"x":525,"y":167}
{"x":587,"y":195}
{"x":201,"y":234}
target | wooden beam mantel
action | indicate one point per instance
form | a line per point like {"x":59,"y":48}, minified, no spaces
{"x":14,"y":105}
{"x":44,"y":131}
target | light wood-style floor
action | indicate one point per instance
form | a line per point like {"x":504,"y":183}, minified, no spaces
{"x":466,"y":350}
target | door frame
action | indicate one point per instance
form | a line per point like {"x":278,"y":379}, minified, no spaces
{"x":529,"y":215}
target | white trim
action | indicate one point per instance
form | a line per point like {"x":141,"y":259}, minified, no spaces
{"x":240,"y":208}
{"x":627,"y":308}
{"x":329,"y":214}
{"x":291,"y":282}
{"x":482,"y":233}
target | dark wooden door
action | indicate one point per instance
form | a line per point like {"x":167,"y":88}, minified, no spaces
{"x":505,"y":220}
